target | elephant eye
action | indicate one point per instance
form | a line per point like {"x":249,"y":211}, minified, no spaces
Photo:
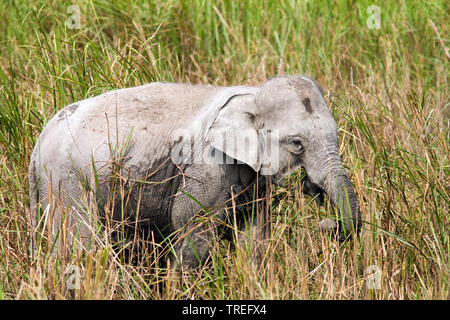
{"x":297,"y":145}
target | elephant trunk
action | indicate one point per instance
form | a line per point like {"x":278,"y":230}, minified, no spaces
{"x":338,"y":188}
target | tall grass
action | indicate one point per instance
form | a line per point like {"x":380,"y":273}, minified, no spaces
{"x":387,"y":88}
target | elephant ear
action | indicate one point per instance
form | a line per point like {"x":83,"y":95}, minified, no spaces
{"x":233,"y":131}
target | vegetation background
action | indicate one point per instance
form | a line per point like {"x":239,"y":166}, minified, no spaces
{"x":387,"y":88}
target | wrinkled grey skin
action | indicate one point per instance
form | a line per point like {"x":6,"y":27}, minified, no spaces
{"x":145,"y":119}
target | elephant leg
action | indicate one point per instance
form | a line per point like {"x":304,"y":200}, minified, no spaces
{"x":252,"y":237}
{"x":197,"y":214}
{"x":248,"y":234}
{"x":193,"y":247}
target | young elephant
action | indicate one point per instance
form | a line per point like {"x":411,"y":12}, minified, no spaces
{"x":157,"y":155}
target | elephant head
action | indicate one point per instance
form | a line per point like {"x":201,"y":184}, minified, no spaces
{"x":288,"y":114}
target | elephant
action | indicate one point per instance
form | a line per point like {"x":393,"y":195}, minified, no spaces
{"x":157,"y":155}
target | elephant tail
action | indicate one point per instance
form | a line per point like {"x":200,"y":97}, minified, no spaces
{"x":34,"y":200}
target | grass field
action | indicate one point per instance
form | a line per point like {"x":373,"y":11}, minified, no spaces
{"x":387,"y":88}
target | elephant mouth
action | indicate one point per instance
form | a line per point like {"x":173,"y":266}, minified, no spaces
{"x":308,"y":187}
{"x":313,"y":190}
{"x":341,"y":195}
